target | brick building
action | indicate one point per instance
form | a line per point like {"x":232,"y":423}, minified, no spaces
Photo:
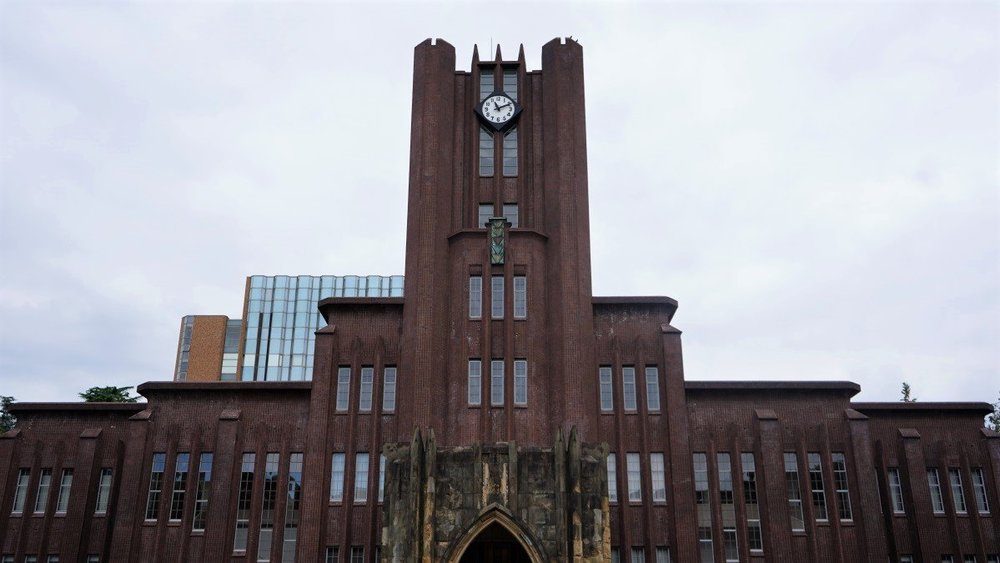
{"x":497,"y":410}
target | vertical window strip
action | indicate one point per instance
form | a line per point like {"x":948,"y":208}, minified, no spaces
{"x":520,"y":297}
{"x":896,"y":490}
{"x":607,"y":389}
{"x":103,"y":491}
{"x":510,"y":214}
{"x":180,"y":486}
{"x":657,"y":472}
{"x":615,"y":555}
{"x":268,"y":504}
{"x":42,"y":496}
{"x":840,"y":485}
{"x":361,"y":478}
{"x":638,"y":555}
{"x":724,"y":466}
{"x":612,"y":478}
{"x":496,"y":382}
{"x":21,"y":491}
{"x":979,"y":486}
{"x":755,"y":537}
{"x":155,"y":485}
{"x":957,"y":491}
{"x":934,"y":483}
{"x":243,"y":501}
{"x":633,"y":471}
{"x":202,"y":491}
{"x":628,"y":388}
{"x":343,"y":388}
{"x":381,"y":477}
{"x":703,"y":508}
{"x":357,"y":554}
{"x":652,"y":389}
{"x":662,"y":555}
{"x":337,"y":478}
{"x":389,"y":389}
{"x":510,"y":154}
{"x":520,"y":382}
{"x":367,"y":382}
{"x":485,"y":213}
{"x":487,"y":83}
{"x":292,"y":508}
{"x":510,"y":82}
{"x":794,"y":492}
{"x":496,"y":297}
{"x":816,"y":486}
{"x":65,"y":484}
{"x":475,"y":297}
{"x":475,"y":382}
{"x":486,"y":149}
{"x":333,"y":554}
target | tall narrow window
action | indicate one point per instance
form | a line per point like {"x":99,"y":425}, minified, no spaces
{"x":42,"y":496}
{"x":337,"y":478}
{"x":486,"y":83}
{"x":979,"y":486}
{"x":658,"y":474}
{"x":343,"y":388}
{"x":662,"y":555}
{"x":510,"y":82}
{"x":638,"y":555}
{"x":520,"y":297}
{"x":21,"y":491}
{"x":496,"y":382}
{"x":957,"y":491}
{"x":496,"y":297}
{"x":475,"y":382}
{"x":180,"y":486}
{"x":703,"y":508}
{"x":333,"y":554}
{"x":633,"y":471}
{"x":728,"y":505}
{"x":652,"y":389}
{"x":510,"y":214}
{"x":381,"y":477}
{"x":268,"y":503}
{"x":292,"y":506}
{"x":485,"y":212}
{"x":65,"y":484}
{"x":628,"y":388}
{"x":896,"y":491}
{"x":367,"y":381}
{"x":615,"y":555}
{"x":840,"y":484}
{"x":816,"y":486}
{"x":361,"y":478}
{"x":520,"y":382}
{"x":103,"y":491}
{"x":607,"y":389}
{"x":389,"y":389}
{"x":155,"y":486}
{"x":243,"y":501}
{"x":755,"y":537}
{"x":357,"y":554}
{"x":510,"y":153}
{"x":794,"y":492}
{"x":485,"y":152}
{"x":475,"y":297}
{"x":934,"y":482}
{"x":202,"y":491}
{"x":612,"y":478}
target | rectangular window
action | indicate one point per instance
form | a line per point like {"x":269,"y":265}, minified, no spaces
{"x":970,"y":559}
{"x":652,"y":389}
{"x":337,"y":478}
{"x":180,"y":486}
{"x":52,"y":558}
{"x":7,"y":559}
{"x":496,"y":382}
{"x":367,"y":381}
{"x":357,"y":554}
{"x":703,"y":508}
{"x":270,"y":499}
{"x":93,"y":558}
{"x":728,"y":505}
{"x":389,"y":389}
{"x":496,"y":297}
{"x":202,"y":491}
{"x":794,"y":492}
{"x":486,"y":83}
{"x":485,"y":212}
{"x":155,"y":486}
{"x":243,"y":501}
{"x":662,"y":555}
{"x":607,"y":389}
{"x":754,"y":535}
{"x":957,"y":491}
{"x":361,"y":478}
{"x":520,"y":297}
{"x":729,"y":545}
{"x":615,"y":555}
{"x":475,"y":297}
{"x":632,"y":469}
{"x":381,"y":477}
{"x":979,"y":486}
{"x":905,"y":559}
{"x":510,"y":214}
{"x":510,"y":82}
{"x":658,"y":474}
{"x":816,"y":486}
{"x":840,"y":484}
{"x":486,"y":152}
{"x":947,"y":559}
{"x":896,"y":490}
{"x":65,"y":484}
{"x":343,"y":388}
{"x":510,"y":153}
{"x":44,"y":484}
{"x":292,"y":507}
{"x":612,"y":478}
{"x":21,"y":491}
{"x":333,"y":554}
{"x":103,"y":491}
{"x":628,"y":388}
{"x":520,"y":382}
{"x":475,"y":382}
{"x":30,"y":559}
{"x":934,"y":482}
{"x":638,"y":555}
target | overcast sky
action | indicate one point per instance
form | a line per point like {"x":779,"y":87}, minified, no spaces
{"x":816,"y":184}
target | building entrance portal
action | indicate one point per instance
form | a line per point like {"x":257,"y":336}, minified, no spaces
{"x":495,"y":544}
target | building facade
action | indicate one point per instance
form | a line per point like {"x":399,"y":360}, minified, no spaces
{"x":496,"y":410}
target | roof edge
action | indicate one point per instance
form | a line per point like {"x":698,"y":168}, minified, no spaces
{"x":183,"y":386}
{"x":844,"y":386}
{"x":77,"y":406}
{"x":921,"y":406}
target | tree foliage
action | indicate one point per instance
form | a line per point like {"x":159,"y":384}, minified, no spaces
{"x":907,"y":396}
{"x":993,"y":420}
{"x":7,"y":420}
{"x":108,"y":395}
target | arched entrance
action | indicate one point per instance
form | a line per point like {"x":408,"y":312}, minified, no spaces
{"x":496,"y":537}
{"x":495,"y":545}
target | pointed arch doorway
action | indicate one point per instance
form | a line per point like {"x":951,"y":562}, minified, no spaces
{"x":496,"y":537}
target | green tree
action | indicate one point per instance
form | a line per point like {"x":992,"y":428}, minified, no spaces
{"x":907,"y":397}
{"x":993,"y":420}
{"x":7,"y":420}
{"x":108,"y":395}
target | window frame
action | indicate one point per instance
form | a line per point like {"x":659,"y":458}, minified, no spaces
{"x":475,"y":382}
{"x":343,"y":397}
{"x":521,"y":383}
{"x":497,"y":382}
{"x":606,"y":387}
{"x":389,"y":389}
{"x":476,"y":297}
{"x":630,"y":401}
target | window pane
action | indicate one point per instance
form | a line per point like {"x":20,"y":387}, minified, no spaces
{"x":485,"y":212}
{"x":65,"y":483}
{"x":337,"y":478}
{"x":155,"y":486}
{"x":520,"y":297}
{"x":475,"y":297}
{"x":703,"y":508}
{"x":657,"y":473}
{"x":361,"y":478}
{"x":496,"y":382}
{"x":816,"y":486}
{"x":343,"y":388}
{"x":957,"y":492}
{"x":389,"y":389}
{"x":934,"y":482}
{"x":268,"y":503}
{"x":510,"y":159}
{"x":486,"y":83}
{"x":21,"y":491}
{"x":754,"y":533}
{"x":244,"y":498}
{"x":607,"y":399}
{"x":979,"y":484}
{"x":510,"y":82}
{"x":628,"y":388}
{"x":496,"y":297}
{"x":895,"y":490}
{"x":381,"y":477}
{"x":612,"y":478}
{"x":520,"y":382}
{"x":840,"y":484}
{"x":367,"y":381}
{"x":652,"y":389}
{"x":633,"y":469}
{"x":486,"y":148}
{"x":180,"y":485}
{"x":794,"y":491}
{"x":103,"y":491}
{"x":475,"y":382}
{"x":293,"y":504}
{"x":203,"y":491}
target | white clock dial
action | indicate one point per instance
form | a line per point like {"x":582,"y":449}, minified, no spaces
{"x":498,"y":109}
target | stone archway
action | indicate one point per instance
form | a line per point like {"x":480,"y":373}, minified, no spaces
{"x":495,"y":538}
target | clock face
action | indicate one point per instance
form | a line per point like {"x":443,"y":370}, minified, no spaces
{"x":498,"y":109}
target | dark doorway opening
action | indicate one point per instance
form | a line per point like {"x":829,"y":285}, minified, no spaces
{"x":495,"y":545}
